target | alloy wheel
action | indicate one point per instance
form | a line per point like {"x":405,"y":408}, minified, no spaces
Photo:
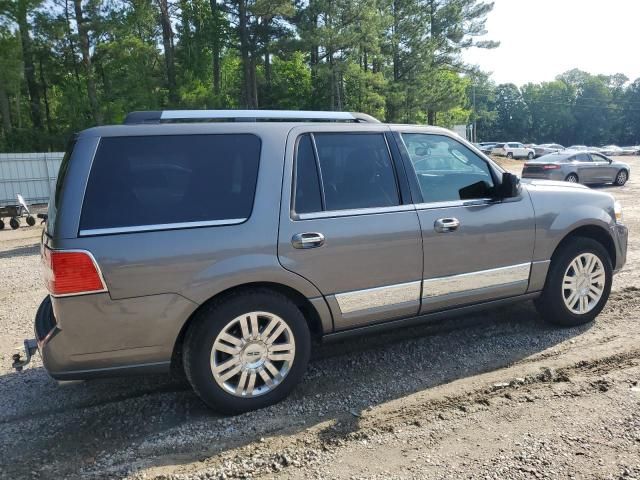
{"x":583,"y":283}
{"x":252,"y":354}
{"x":622,"y":177}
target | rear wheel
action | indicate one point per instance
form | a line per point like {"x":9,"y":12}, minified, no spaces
{"x":14,"y":223}
{"x":572,"y":178}
{"x":509,"y":154}
{"x":621,"y":178}
{"x":247,"y":352}
{"x":1,"y":225}
{"x":578,"y":283}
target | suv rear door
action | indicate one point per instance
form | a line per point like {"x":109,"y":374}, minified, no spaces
{"x":347,"y":223}
{"x":476,"y":248}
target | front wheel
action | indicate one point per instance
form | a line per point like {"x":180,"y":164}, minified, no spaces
{"x":247,"y":352}
{"x":571,"y":178}
{"x":578,"y":283}
{"x":31,"y":221}
{"x":621,"y":178}
{"x":530,"y":156}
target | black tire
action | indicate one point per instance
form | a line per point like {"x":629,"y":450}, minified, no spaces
{"x":208,"y":324}
{"x":1,"y":225}
{"x":509,"y":155}
{"x":551,"y":304}
{"x":31,"y":221}
{"x":15,"y":223}
{"x":572,"y":178}
{"x":621,"y":178}
{"x":530,"y":156}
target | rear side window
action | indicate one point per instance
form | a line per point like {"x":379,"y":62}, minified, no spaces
{"x":357,"y":171}
{"x":54,"y":201}
{"x":174,"y":179}
{"x":351,"y":171}
{"x":308,"y":196}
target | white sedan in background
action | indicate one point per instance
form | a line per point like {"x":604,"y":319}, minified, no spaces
{"x":513,"y":150}
{"x":547,"y":148}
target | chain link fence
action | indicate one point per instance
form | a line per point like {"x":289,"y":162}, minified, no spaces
{"x":33,"y":175}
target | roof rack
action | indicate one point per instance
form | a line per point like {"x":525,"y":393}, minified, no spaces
{"x":173,"y":116}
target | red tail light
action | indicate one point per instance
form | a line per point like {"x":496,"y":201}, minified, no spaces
{"x":551,"y":166}
{"x":71,"y":272}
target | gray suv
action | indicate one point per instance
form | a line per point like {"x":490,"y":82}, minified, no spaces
{"x":222,"y":243}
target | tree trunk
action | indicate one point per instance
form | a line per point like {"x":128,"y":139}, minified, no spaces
{"x":167,"y":44}
{"x":83,"y":34}
{"x":266,"y":38}
{"x":72,"y":46}
{"x":47,"y":110}
{"x":247,"y":86}
{"x":5,"y":110}
{"x":431,"y":117}
{"x":215,"y":47}
{"x":29,"y":67}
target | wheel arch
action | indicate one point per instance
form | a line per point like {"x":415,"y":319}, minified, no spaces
{"x":594,"y":232}
{"x":316,"y":320}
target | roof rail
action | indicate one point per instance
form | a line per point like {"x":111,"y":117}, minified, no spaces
{"x":172,"y":116}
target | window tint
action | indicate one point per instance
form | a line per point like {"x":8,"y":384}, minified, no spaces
{"x":156,"y":180}
{"x":446,"y":169}
{"x":307,"y":186}
{"x":582,"y":157}
{"x":357,"y":171}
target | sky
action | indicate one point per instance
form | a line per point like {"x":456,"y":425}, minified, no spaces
{"x":540,"y":39}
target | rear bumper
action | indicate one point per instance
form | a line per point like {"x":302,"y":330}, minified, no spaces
{"x":545,"y":175}
{"x":93,"y":336}
{"x":620,"y":234}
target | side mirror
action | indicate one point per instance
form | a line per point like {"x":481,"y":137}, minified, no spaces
{"x":510,"y":186}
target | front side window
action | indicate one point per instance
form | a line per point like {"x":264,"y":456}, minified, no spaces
{"x":171,"y":179}
{"x":446,"y":169}
{"x":355,"y":172}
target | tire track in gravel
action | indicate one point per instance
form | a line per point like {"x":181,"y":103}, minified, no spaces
{"x":316,"y":445}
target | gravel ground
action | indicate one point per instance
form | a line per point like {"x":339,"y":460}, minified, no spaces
{"x":494,"y":395}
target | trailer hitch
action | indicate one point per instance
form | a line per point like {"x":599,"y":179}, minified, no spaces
{"x":30,"y":347}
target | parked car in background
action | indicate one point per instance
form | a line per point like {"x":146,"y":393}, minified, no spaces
{"x":513,"y":150}
{"x":635,"y":150}
{"x":611,"y":150}
{"x":578,"y":167}
{"x":546,"y":148}
{"x":222,"y":248}
{"x":486,"y":147}
{"x":579,"y":148}
{"x":531,"y":145}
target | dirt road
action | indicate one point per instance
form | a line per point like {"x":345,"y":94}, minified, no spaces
{"x":496,"y":395}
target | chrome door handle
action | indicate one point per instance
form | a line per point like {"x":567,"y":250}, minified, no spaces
{"x":443,"y":225}
{"x":307,"y":240}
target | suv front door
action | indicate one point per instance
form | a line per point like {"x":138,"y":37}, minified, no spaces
{"x":347,"y":223}
{"x":476,"y":248}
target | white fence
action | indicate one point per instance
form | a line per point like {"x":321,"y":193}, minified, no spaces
{"x":33,"y":175}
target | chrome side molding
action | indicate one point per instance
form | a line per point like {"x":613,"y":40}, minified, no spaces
{"x":436,"y":287}
{"x":359,"y":300}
